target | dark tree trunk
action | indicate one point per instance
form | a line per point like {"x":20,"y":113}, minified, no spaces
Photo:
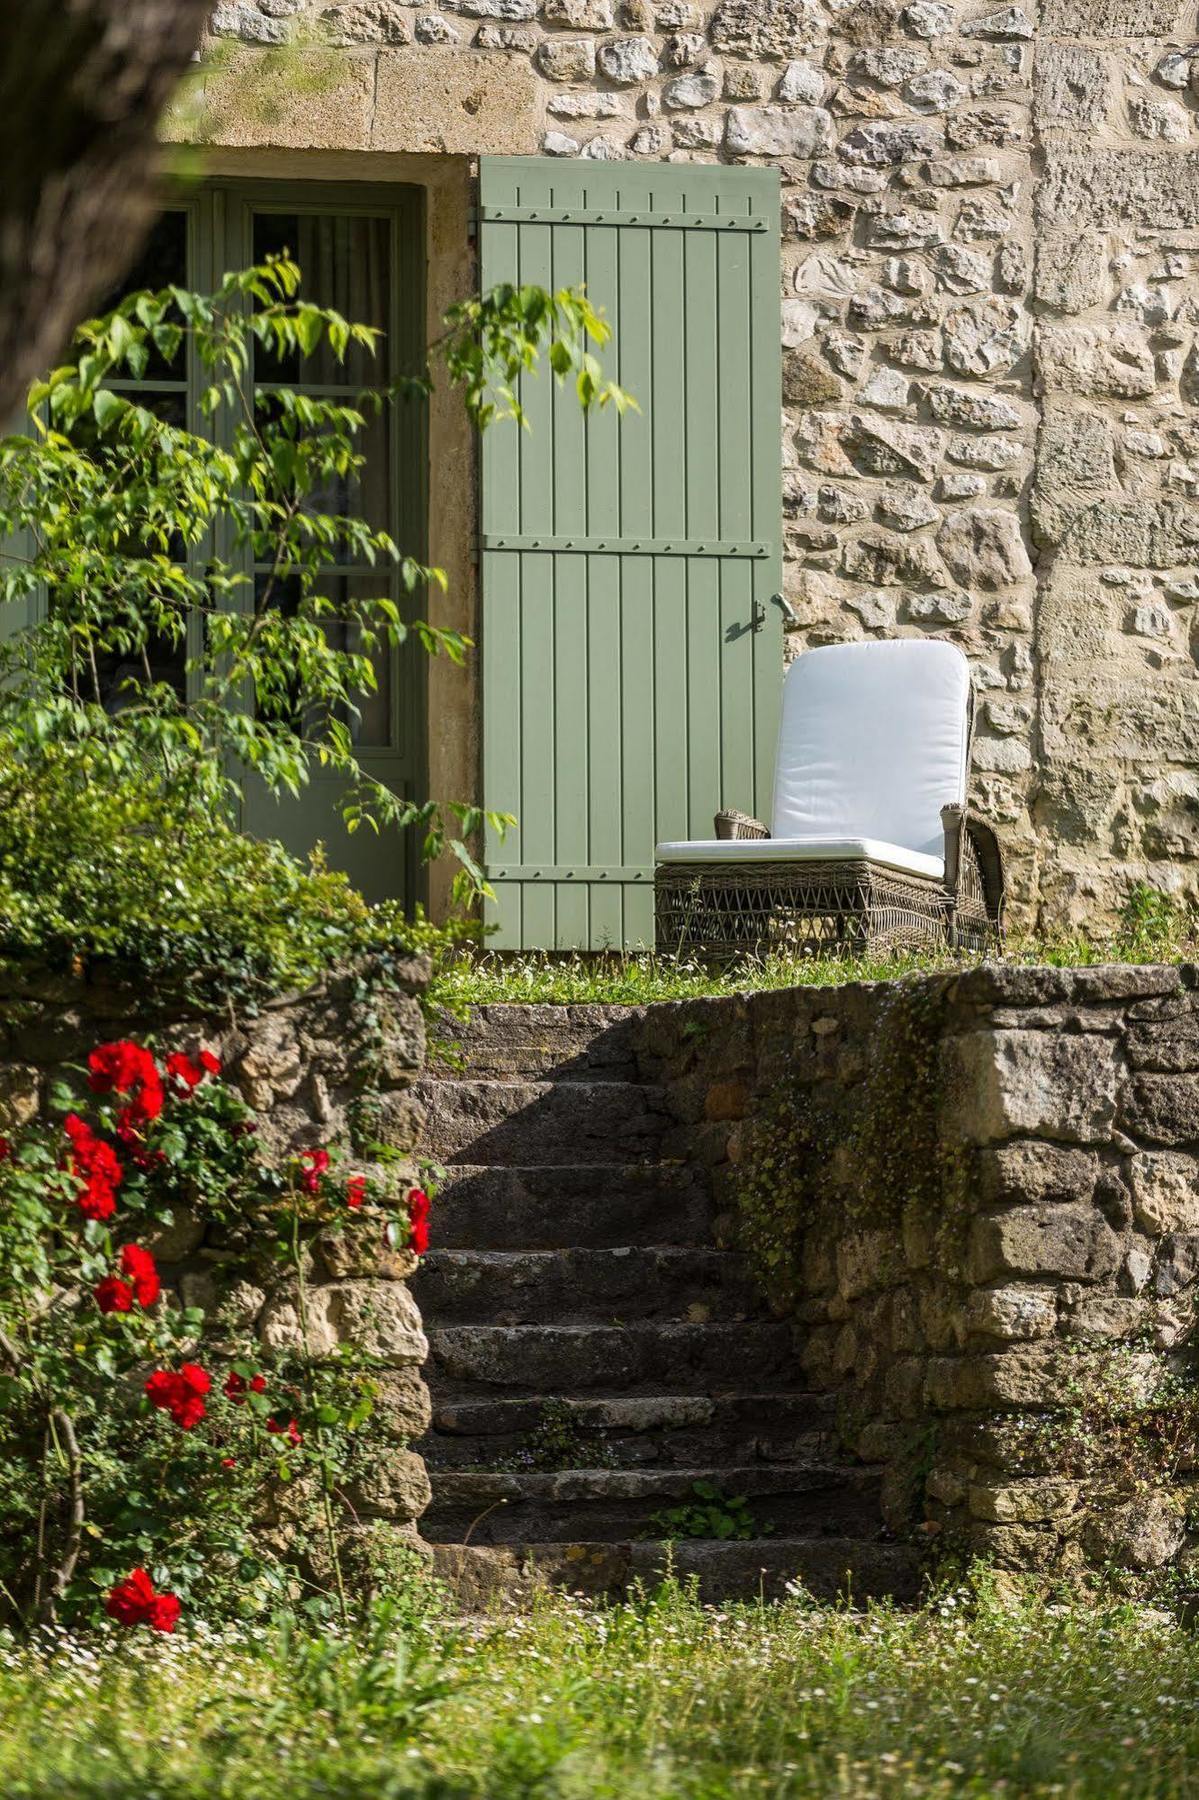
{"x":82,"y":86}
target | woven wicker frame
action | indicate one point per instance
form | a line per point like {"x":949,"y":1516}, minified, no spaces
{"x":752,"y":908}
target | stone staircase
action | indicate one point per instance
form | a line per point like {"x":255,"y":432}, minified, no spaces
{"x":594,"y":1354}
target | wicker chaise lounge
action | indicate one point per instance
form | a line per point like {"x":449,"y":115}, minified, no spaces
{"x":872,"y":846}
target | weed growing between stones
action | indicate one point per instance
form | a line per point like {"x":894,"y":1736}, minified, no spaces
{"x":558,"y":1441}
{"x":1118,"y":1460}
{"x":710,"y":1513}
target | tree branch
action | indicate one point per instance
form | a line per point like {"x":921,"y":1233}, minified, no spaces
{"x":83,"y":84}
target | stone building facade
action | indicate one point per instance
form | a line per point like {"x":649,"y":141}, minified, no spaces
{"x":990,"y":281}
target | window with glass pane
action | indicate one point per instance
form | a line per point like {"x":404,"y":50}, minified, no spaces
{"x":347,"y":249}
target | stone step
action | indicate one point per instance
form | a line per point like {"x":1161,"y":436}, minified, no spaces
{"x":666,"y":1430}
{"x":541,"y":1043}
{"x":639,"y":1358}
{"x":517,"y":1122}
{"x":491,"y":1507}
{"x":481,"y":1577}
{"x":520,"y":1287}
{"x":550,"y":1207}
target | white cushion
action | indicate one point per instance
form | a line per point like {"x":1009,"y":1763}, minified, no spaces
{"x":829,"y":849}
{"x":873,"y":743}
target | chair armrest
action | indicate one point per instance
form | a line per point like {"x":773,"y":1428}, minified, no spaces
{"x":953,"y":823}
{"x":732,"y":824}
{"x":972,"y":854}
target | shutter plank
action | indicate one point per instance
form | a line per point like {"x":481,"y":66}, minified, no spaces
{"x":654,"y":701}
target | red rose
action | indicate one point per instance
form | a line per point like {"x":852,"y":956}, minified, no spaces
{"x":139,"y":1266}
{"x":291,"y":1430}
{"x":162,"y":1613}
{"x":418,"y":1220}
{"x":315,"y":1163}
{"x":355,"y":1191}
{"x":134,"y":1602}
{"x":186,"y":1073}
{"x":228,"y":1462}
{"x":113,"y":1295}
{"x":96,"y":1164}
{"x":237,"y":1387}
{"x":181,"y":1394}
{"x":123,"y":1067}
{"x":5,"y":1149}
{"x":183,"y":1071}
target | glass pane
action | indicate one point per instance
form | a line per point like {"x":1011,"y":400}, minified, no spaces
{"x":165,"y":659}
{"x":121,"y":676}
{"x":360,"y":493}
{"x":370,"y":720}
{"x":163,"y":262}
{"x":344,"y":264}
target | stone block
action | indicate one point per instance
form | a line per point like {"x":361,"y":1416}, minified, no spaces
{"x":1001,"y":1084}
{"x":1177,"y":1265}
{"x":1107,"y":1317}
{"x":1073,"y":1242}
{"x":767,"y":28}
{"x":983,"y":548}
{"x":628,"y":61}
{"x":367,"y":22}
{"x":1031,"y":1170}
{"x":1144,"y":1533}
{"x":379,"y":1317}
{"x":867,"y":1260}
{"x":1030,"y":1377}
{"x":394,"y":1486}
{"x":1113,"y":362}
{"x":457,"y":102}
{"x":801,"y":131}
{"x":1137,"y":534}
{"x":1023,"y":1502}
{"x":399,"y":1120}
{"x":1072,"y":270}
{"x":19,"y":1095}
{"x":1162,"y":1108}
{"x":1071,"y":89}
{"x":172,"y":1239}
{"x":252,"y":103}
{"x":1165,"y":1192}
{"x":578,"y":15}
{"x":1075,"y":467}
{"x":1015,"y":1314}
{"x":567,"y":59}
{"x":1165,"y":1046}
{"x":1104,"y":19}
{"x":1120,"y":190}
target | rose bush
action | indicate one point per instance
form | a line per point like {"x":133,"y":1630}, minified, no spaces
{"x":122,"y":1446}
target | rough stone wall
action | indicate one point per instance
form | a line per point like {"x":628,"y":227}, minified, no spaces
{"x":990,"y":295}
{"x":995,"y":1186}
{"x":302,"y":1063}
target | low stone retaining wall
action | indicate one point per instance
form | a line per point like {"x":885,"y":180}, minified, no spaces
{"x":977,"y":1196}
{"x":327,"y":1067}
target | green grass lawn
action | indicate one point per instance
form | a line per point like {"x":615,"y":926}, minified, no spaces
{"x":653,"y":1699}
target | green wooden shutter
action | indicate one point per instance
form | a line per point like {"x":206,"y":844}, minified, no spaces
{"x":631,"y":627}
